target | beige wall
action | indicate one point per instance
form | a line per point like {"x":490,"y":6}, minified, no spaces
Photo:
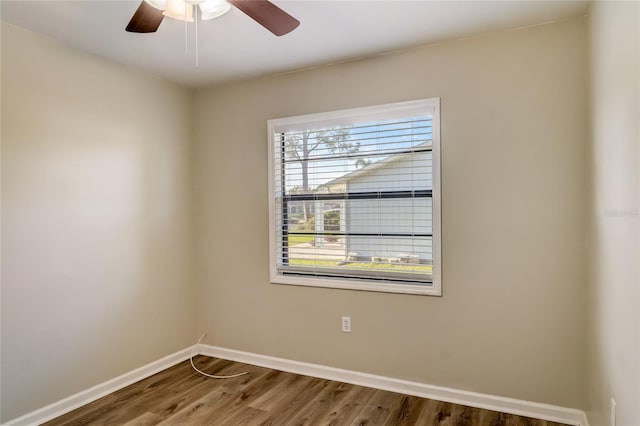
{"x":614,"y":231}
{"x":514,"y":137}
{"x":96,"y":272}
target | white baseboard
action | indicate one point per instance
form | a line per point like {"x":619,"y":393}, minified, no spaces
{"x":473,"y":399}
{"x":72,"y":402}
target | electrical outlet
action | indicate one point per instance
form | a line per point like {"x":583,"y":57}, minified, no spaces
{"x":613,"y":412}
{"x":346,"y":324}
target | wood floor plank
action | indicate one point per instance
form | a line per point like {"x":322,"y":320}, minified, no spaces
{"x":207,"y":410}
{"x":286,"y":383}
{"x":186,"y":397}
{"x":429,"y":413}
{"x":349,"y":408}
{"x":94,"y":411}
{"x":265,"y":397}
{"x":289,"y":406}
{"x":465,"y":416}
{"x":244,"y":417}
{"x":442,"y":415}
{"x":181,"y":389}
{"x":378,"y":409}
{"x":146,"y":419}
{"x":136,"y":398}
{"x":328,"y":398}
{"x":408,"y":411}
{"x":88,"y":414}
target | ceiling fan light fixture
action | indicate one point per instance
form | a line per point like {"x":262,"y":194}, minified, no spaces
{"x":211,"y":9}
{"x":158,"y":4}
{"x":179,"y":9}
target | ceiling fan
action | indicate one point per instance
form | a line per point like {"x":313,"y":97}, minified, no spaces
{"x":150,"y":13}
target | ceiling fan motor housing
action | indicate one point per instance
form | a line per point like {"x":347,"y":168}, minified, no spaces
{"x":209,"y":9}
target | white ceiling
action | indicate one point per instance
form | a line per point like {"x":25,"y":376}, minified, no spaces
{"x":235,"y":47}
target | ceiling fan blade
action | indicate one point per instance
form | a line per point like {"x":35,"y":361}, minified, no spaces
{"x":147,"y":19}
{"x":268,"y":15}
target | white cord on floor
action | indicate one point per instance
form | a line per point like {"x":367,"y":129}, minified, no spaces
{"x":206,"y":374}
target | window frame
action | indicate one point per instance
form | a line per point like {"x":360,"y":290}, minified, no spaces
{"x":346,"y":116}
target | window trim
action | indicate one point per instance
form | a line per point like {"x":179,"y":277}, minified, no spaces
{"x":346,"y":116}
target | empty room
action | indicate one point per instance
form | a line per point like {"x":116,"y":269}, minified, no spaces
{"x":304,"y":212}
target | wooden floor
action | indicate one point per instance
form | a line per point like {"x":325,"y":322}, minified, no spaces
{"x":180,"y":396}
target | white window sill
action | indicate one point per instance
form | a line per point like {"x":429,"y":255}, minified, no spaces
{"x":361,"y":285}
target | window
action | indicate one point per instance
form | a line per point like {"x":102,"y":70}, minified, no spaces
{"x":355,"y":198}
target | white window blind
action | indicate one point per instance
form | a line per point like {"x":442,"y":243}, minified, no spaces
{"x":353,"y":198}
